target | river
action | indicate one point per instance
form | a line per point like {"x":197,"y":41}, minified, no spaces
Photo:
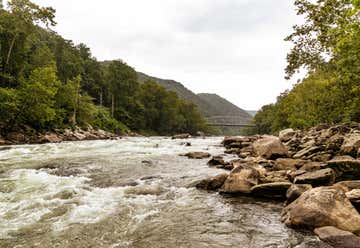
{"x":133,"y":192}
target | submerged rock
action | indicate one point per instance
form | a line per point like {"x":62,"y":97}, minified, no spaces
{"x":197,"y":155}
{"x":322,"y":206}
{"x":216,"y":161}
{"x":212,"y":183}
{"x":181,"y":136}
{"x":337,"y":238}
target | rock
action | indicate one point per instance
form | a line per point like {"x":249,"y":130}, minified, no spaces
{"x":275,"y":176}
{"x":270,"y":147}
{"x":295,"y":191}
{"x":322,"y":177}
{"x":50,"y":138}
{"x":322,"y":206}
{"x":145,"y":190}
{"x":313,"y":166}
{"x":271,"y":190}
{"x":288,"y":164}
{"x":306,"y":152}
{"x":351,"y":144}
{"x":213,"y":183}
{"x":286,"y":135}
{"x":323,"y":157}
{"x":232,"y":151}
{"x":2,"y":142}
{"x":230,"y":140}
{"x":181,"y":136}
{"x":241,"y":179}
{"x":334,"y":143}
{"x":337,"y":238}
{"x":348,"y":185}
{"x":79,"y":136}
{"x":17,"y":137}
{"x":185,"y":144}
{"x":347,"y":169}
{"x":197,"y":155}
{"x":216,"y":161}
{"x":354,"y":197}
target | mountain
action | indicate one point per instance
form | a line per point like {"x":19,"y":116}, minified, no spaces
{"x":209,"y":104}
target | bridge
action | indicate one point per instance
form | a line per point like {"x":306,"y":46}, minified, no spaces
{"x":229,"y":121}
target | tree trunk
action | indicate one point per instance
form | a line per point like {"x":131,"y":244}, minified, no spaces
{"x":112,"y":105}
{"x":10,"y":51}
{"x":101,"y":97}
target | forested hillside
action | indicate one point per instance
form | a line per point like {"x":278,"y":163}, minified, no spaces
{"x":47,"y":82}
{"x":327,"y":45}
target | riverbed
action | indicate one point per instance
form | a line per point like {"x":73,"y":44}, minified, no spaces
{"x":131,"y":192}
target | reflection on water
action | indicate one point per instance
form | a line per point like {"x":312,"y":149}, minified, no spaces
{"x":134,"y":192}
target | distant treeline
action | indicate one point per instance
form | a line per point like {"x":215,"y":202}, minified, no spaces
{"x":47,"y":82}
{"x":327,"y":45}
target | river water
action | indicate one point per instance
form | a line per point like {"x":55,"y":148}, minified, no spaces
{"x":133,"y":192}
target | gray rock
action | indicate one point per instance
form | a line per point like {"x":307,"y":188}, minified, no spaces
{"x":270,"y":147}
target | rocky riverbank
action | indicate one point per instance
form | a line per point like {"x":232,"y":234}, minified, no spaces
{"x":315,"y":172}
{"x":30,"y":136}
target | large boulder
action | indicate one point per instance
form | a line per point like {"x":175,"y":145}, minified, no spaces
{"x":271,"y":190}
{"x":351,"y":144}
{"x":270,"y":147}
{"x":275,"y":176}
{"x":322,"y":177}
{"x":346,"y":169}
{"x":322,"y":206}
{"x":307,"y":151}
{"x":212,"y":183}
{"x":241,"y":179}
{"x":337,"y":238}
{"x":354,"y":197}
{"x":295,"y":191}
{"x":197,"y":155}
{"x":286,"y":135}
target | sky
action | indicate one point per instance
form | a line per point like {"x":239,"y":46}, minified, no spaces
{"x":234,"y":48}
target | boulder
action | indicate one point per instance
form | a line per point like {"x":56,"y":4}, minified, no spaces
{"x":322,"y":206}
{"x":347,"y":169}
{"x":334,"y":143}
{"x":348,"y":185}
{"x":270,"y":147}
{"x":230,"y":140}
{"x":295,"y":191}
{"x":197,"y":155}
{"x":288,"y":164}
{"x":181,"y":136}
{"x":322,"y":157}
{"x":241,"y":179}
{"x":2,"y":141}
{"x":354,"y":197}
{"x":337,"y":238}
{"x":313,"y":166}
{"x":16,"y":137}
{"x":351,"y":144}
{"x":271,"y":190}
{"x":294,"y":173}
{"x":286,"y":135}
{"x":307,"y":151}
{"x":212,"y":183}
{"x":216,"y":160}
{"x":322,"y":177}
{"x":50,"y":138}
{"x":275,"y":176}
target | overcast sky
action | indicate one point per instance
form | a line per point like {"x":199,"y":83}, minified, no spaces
{"x":234,"y":48}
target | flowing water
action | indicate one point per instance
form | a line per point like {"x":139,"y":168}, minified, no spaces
{"x":133,"y":192}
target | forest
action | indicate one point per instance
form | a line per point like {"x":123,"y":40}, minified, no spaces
{"x":327,"y":47}
{"x":48,"y":82}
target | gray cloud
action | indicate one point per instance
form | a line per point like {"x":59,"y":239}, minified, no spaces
{"x":231,"y":47}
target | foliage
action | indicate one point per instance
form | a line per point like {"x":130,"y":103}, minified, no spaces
{"x":48,"y":82}
{"x":328,"y":44}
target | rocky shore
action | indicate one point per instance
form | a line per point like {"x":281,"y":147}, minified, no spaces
{"x":30,"y":136}
{"x":315,"y":172}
